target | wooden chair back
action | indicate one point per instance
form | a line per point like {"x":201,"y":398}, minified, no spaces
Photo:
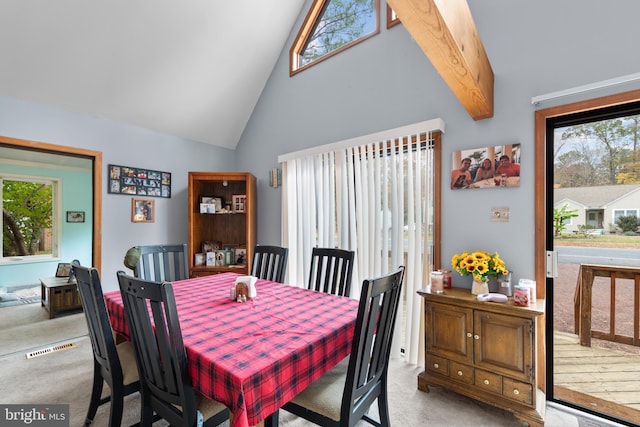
{"x":269,"y":262}
{"x":154,"y":329}
{"x":331,"y":271}
{"x":369,"y":360}
{"x":122,"y":380}
{"x":163,"y":263}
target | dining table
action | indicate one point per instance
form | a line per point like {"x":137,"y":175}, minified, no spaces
{"x":255,"y":356}
{"x":510,"y":181}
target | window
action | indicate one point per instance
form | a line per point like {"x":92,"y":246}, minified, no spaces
{"x":380,"y":197}
{"x":30,"y":226}
{"x":617,"y":213}
{"x":330,"y":27}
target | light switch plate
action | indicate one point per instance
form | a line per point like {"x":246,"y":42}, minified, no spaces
{"x":500,"y":214}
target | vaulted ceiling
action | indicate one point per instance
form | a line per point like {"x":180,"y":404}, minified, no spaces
{"x":195,"y":68}
{"x":190,"y":68}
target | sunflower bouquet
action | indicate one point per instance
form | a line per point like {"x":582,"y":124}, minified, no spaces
{"x":479,"y":264}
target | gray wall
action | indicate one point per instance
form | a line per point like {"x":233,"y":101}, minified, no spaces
{"x":122,"y":145}
{"x":387,"y":81}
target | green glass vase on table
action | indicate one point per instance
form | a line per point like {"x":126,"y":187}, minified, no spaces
{"x":481,"y":265}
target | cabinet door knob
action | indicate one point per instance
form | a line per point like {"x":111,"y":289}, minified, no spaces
{"x":469,"y":334}
{"x":486,"y":382}
{"x":459,"y":373}
{"x":435,"y":365}
{"x":476,"y":337}
{"x":516,"y":392}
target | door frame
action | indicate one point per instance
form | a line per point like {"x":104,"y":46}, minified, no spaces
{"x":543,"y":201}
{"x":96,"y":157}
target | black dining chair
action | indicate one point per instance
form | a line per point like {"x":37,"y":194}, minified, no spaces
{"x":162,"y":263}
{"x":269,"y":262}
{"x":154,"y":328}
{"x":112,"y":364}
{"x":331,"y":271}
{"x":342,"y":396}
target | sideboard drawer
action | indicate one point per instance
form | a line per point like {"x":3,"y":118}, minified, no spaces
{"x":438,"y":365}
{"x":460,"y":372}
{"x":516,"y":390}
{"x":488,"y":381}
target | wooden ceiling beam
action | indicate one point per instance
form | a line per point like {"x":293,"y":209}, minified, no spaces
{"x":447,"y":34}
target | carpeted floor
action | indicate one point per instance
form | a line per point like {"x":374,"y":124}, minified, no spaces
{"x":27,"y":326}
{"x":64,"y":377}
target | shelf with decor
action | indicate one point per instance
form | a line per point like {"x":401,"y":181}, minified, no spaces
{"x":222,"y":222}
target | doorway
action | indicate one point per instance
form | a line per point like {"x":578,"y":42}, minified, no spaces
{"x":24,"y":295}
{"x":96,"y":159}
{"x":581,"y":194}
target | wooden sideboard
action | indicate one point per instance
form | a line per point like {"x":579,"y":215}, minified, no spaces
{"x":484,"y":350}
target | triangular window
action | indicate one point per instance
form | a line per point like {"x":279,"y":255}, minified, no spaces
{"x":332,"y":26}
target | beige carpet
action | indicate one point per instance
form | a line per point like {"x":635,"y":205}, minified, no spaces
{"x":65,"y":377}
{"x":26,"y":326}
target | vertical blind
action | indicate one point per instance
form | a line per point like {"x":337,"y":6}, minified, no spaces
{"x":375,"y":198}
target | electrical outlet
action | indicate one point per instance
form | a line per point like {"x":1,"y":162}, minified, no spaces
{"x":500,"y":214}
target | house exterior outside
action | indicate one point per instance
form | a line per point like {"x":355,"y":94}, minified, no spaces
{"x":598,"y":207}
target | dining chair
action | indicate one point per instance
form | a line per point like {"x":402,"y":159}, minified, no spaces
{"x":342,"y":396}
{"x":113,"y":364}
{"x":269,"y":262}
{"x":160,"y":263}
{"x":165,"y":384}
{"x":331,"y":271}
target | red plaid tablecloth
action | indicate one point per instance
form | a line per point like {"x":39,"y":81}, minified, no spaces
{"x":255,"y":356}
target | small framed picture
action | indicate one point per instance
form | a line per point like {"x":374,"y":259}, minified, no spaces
{"x":217,"y":202}
{"x":221,"y":258}
{"x":239,"y":202}
{"x":210,"y":204}
{"x":64,"y":269}
{"x":211,"y":246}
{"x":211,"y":259}
{"x":142,"y":210}
{"x":207,"y":208}
{"x":241,"y":255}
{"x":75,"y":216}
{"x":200,"y":259}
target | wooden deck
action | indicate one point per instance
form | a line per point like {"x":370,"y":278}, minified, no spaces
{"x":604,"y":380}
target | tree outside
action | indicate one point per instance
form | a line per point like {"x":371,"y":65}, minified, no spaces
{"x":598,"y":153}
{"x":342,"y":22}
{"x":27,"y":214}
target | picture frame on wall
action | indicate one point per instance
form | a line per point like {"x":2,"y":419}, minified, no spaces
{"x":75,"y":216}
{"x":142,"y":210}
{"x":495,"y":166}
{"x":139,"y":181}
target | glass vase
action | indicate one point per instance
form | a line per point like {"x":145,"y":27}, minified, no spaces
{"x":479,"y":287}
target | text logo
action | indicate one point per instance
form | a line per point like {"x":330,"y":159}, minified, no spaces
{"x":34,"y":415}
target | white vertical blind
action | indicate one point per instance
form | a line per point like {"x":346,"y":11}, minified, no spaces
{"x":376,"y":199}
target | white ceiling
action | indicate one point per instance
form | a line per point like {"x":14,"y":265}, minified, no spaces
{"x":190,"y":68}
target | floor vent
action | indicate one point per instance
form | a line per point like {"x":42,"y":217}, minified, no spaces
{"x":48,"y":350}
